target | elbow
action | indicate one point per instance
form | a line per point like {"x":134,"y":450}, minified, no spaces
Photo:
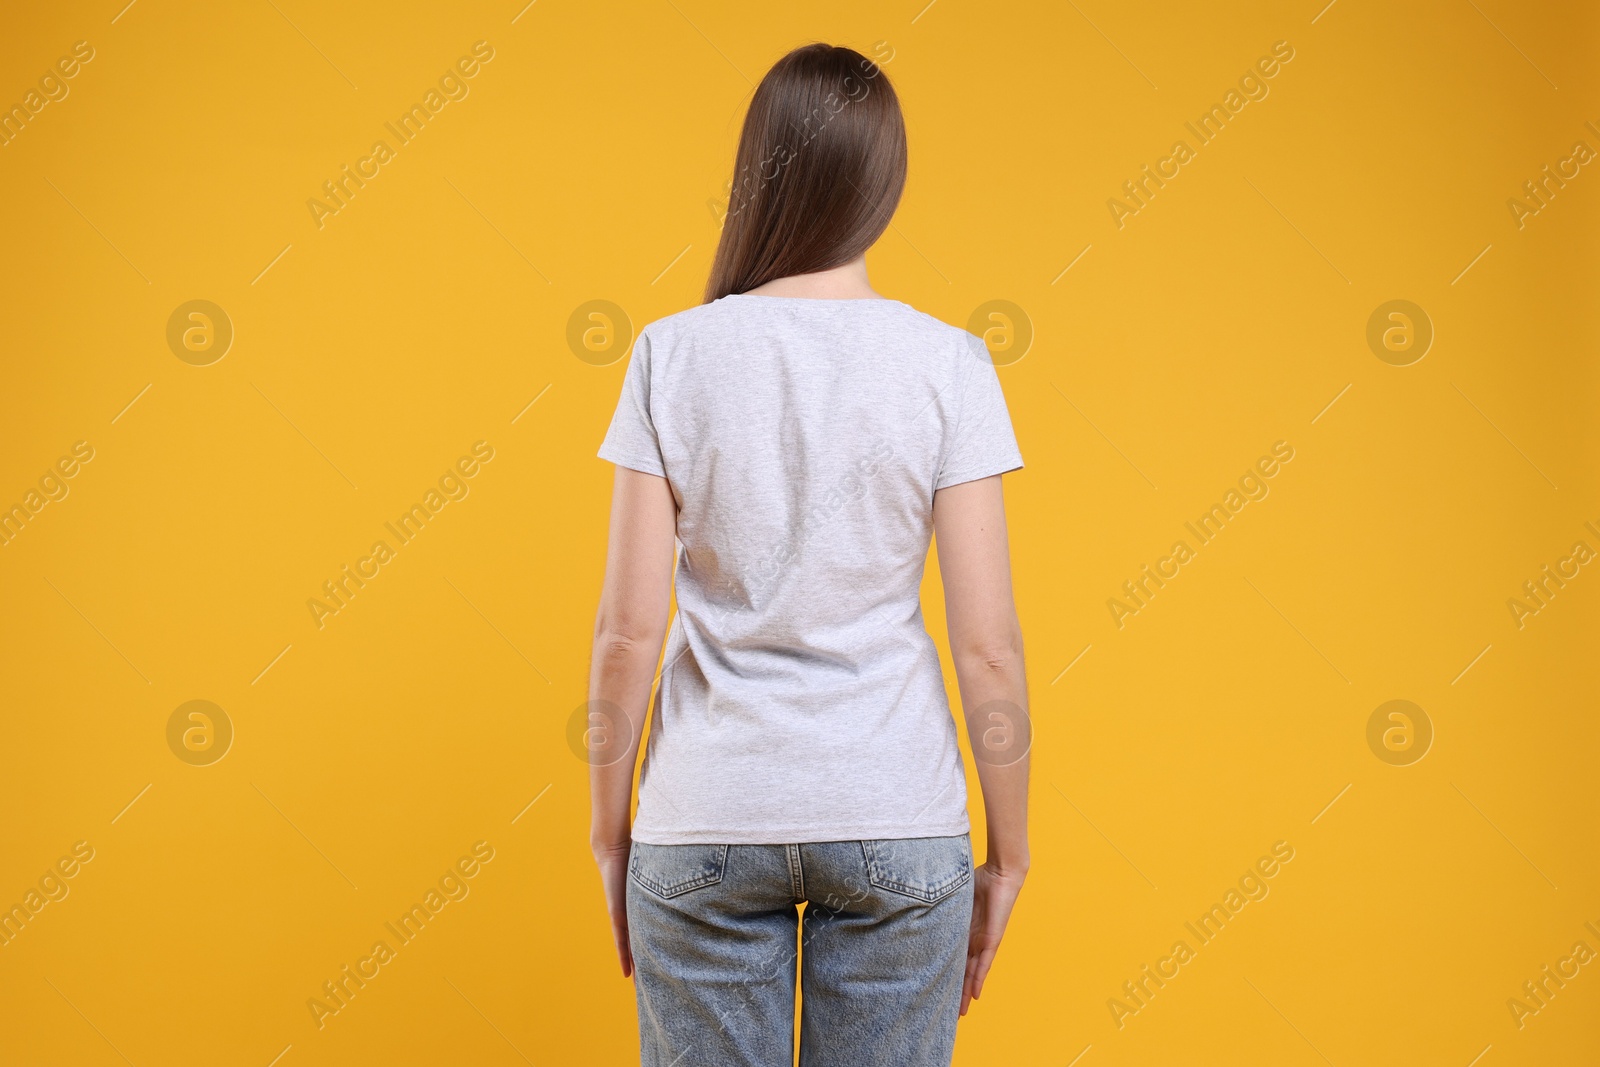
{"x":617,"y":656}
{"x":617,"y":640}
{"x":996,"y":656}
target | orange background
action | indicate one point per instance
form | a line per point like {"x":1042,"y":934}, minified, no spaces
{"x":587,"y":162}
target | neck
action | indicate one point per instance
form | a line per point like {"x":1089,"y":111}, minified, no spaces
{"x":847,"y":282}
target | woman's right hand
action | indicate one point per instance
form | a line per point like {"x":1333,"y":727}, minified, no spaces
{"x":994,"y":895}
{"x":613,"y":864}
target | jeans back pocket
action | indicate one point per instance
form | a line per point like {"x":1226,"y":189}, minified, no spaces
{"x":673,"y":870}
{"x":927,"y":868}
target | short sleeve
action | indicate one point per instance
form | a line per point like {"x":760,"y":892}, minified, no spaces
{"x":631,"y":440}
{"x":981,"y":442}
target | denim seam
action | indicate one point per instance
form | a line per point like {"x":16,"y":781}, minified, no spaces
{"x":930,"y":894}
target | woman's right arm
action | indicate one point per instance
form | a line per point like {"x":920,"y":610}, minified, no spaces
{"x":969,"y":523}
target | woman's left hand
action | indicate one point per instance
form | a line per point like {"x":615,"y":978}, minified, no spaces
{"x":994,"y":895}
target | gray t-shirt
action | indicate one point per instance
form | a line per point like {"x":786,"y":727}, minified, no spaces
{"x":801,"y":697}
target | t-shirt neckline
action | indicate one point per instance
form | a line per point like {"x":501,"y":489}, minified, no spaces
{"x":830,"y":300}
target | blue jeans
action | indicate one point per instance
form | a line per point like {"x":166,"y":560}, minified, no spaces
{"x":714,"y":930}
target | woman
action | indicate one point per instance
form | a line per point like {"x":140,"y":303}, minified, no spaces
{"x":802,"y":437}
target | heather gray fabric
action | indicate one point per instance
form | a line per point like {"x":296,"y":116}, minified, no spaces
{"x":801,"y":698}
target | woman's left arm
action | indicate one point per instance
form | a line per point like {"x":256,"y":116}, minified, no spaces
{"x":628,"y":632}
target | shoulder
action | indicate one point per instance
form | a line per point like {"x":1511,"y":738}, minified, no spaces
{"x":662,"y":333}
{"x":961,"y":354}
{"x":939,"y":335}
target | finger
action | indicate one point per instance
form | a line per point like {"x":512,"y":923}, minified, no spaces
{"x":619,"y":933}
{"x":969,"y":975}
{"x":981,"y":972}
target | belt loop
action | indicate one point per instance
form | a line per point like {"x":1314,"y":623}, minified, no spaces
{"x":797,"y":874}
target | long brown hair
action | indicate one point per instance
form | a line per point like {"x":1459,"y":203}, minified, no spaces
{"x":819,"y":171}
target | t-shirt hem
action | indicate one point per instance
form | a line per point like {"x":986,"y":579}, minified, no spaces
{"x":960,"y":477}
{"x":803,"y":835}
{"x":641,"y":464}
